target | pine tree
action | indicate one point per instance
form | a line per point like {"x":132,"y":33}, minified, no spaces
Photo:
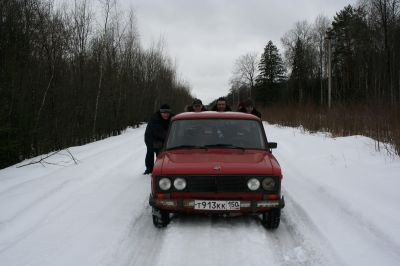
{"x":272,"y":73}
{"x":298,"y":76}
{"x":271,"y":66}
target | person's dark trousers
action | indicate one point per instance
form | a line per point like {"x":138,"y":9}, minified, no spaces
{"x":149,"y":161}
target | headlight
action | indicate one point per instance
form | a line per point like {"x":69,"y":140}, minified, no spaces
{"x":253,"y":184}
{"x":164,"y":183}
{"x":268,"y":183}
{"x":180,"y":183}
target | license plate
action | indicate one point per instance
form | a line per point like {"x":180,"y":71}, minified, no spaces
{"x":217,"y":205}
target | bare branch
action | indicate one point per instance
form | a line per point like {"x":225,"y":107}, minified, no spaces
{"x":43,"y":161}
{"x":245,"y":70}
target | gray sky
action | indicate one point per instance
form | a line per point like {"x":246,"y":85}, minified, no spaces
{"x":205,"y":37}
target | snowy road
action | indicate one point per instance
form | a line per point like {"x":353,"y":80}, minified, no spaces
{"x":341,"y":209}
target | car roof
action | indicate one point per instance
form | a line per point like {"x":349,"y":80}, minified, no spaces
{"x":216,"y":115}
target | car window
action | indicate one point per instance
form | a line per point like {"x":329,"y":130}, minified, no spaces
{"x":216,"y":132}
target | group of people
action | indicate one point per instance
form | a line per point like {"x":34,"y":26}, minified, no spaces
{"x":157,"y":127}
{"x":221,"y":106}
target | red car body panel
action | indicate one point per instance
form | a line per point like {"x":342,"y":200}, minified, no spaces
{"x":228,"y":161}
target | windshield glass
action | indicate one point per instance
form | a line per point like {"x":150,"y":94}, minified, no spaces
{"x":216,"y":133}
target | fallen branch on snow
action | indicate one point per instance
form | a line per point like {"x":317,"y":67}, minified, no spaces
{"x":43,"y":161}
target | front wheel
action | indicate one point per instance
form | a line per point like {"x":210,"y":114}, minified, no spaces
{"x":271,"y":219}
{"x":160,"y":218}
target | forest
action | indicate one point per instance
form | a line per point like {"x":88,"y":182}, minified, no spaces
{"x":340,"y":76}
{"x":70,"y":75}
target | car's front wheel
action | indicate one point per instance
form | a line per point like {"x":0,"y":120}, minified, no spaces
{"x":271,"y":219}
{"x":160,"y":218}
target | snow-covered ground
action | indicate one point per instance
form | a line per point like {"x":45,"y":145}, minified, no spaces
{"x":342,"y":208}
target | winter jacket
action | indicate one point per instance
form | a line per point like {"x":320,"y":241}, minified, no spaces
{"x":254,"y":112}
{"x":156,"y":131}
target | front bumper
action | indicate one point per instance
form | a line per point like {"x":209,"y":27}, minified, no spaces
{"x":187,"y":205}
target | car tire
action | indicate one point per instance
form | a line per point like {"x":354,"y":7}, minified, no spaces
{"x":271,"y":219}
{"x":160,"y":218}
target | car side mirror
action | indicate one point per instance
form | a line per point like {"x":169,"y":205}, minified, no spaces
{"x":272,"y":145}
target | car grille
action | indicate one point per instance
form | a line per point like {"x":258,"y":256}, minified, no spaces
{"x":216,"y":184}
{"x":221,"y":183}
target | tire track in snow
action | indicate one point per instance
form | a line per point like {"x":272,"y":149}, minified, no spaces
{"x":287,"y":245}
{"x":141,"y":242}
{"x":55,"y":198}
{"x":297,"y":241}
{"x":60,"y":194}
{"x":346,"y":218}
{"x":7,"y":224}
{"x":214,"y":240}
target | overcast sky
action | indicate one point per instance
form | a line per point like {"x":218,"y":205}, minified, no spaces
{"x":205,"y":37}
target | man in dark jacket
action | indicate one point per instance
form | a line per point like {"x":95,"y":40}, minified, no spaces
{"x":248,"y":107}
{"x":155,"y":134}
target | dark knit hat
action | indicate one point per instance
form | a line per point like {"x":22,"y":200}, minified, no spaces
{"x":165,"y":108}
{"x":197,"y":102}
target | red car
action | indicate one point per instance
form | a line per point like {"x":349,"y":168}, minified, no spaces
{"x":218,"y":163}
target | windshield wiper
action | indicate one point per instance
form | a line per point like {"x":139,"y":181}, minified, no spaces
{"x":229,"y":146}
{"x":186,"y":147}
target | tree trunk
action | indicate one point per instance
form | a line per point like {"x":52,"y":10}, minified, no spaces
{"x":97,"y":101}
{"x":43,"y":101}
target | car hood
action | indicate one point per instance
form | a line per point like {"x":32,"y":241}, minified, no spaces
{"x":212,"y":162}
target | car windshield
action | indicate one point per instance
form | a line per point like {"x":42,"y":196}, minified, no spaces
{"x":216,"y":133}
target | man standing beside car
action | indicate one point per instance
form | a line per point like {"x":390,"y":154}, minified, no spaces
{"x":155,"y":134}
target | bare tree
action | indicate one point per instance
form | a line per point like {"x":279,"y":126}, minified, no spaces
{"x":302,"y":31}
{"x":386,"y":13}
{"x":321,"y":25}
{"x":80,"y":27}
{"x":103,"y":42}
{"x":245,"y":70}
{"x":301,"y":58}
{"x":234,"y":90}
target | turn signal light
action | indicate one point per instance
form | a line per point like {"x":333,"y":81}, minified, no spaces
{"x":271,"y":196}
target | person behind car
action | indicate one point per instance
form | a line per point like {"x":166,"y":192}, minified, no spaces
{"x":221,"y":105}
{"x":240,"y":107}
{"x":197,"y":106}
{"x":155,"y":134}
{"x":248,"y":107}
